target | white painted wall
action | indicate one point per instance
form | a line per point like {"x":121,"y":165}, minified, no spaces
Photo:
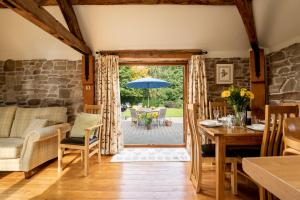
{"x":218,"y":29}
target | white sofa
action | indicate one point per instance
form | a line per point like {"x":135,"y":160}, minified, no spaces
{"x":24,"y":152}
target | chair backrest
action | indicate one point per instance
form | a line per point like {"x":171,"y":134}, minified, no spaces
{"x":93,"y":109}
{"x":196,"y":144}
{"x":291,"y":129}
{"x":133,"y":113}
{"x":162,"y":113}
{"x":272,"y":144}
{"x":196,"y":139}
{"x":291,"y":104}
{"x":221,"y":106}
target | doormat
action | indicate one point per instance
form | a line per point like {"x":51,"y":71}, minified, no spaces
{"x":152,"y":155}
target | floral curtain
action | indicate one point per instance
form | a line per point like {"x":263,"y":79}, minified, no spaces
{"x":108,"y":93}
{"x":197,"y":91}
{"x":198,"y":85}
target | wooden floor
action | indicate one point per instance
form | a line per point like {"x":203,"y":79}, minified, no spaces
{"x":143,"y":181}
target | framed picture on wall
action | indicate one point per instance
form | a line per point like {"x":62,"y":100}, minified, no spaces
{"x":224,"y":73}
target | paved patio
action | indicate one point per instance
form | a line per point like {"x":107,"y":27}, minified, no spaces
{"x":157,"y":135}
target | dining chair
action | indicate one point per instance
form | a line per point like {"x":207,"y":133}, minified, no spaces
{"x":291,"y":104}
{"x":272,"y":141}
{"x":220,"y":106}
{"x":291,"y":136}
{"x":202,"y":153}
{"x":88,"y":141}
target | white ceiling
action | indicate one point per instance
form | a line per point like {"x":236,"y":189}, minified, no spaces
{"x":217,"y":29}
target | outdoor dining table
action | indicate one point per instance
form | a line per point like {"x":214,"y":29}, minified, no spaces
{"x":147,"y":110}
{"x":223,"y":136}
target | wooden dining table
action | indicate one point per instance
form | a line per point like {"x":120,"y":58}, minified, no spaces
{"x":279,"y":175}
{"x":223,"y":136}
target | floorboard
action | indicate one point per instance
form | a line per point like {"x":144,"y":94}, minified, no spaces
{"x":124,"y":181}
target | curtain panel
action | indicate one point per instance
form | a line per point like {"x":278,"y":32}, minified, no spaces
{"x":197,"y":90}
{"x":198,"y":85}
{"x":108,"y":93}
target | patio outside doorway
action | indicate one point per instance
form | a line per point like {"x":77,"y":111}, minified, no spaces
{"x":166,"y":110}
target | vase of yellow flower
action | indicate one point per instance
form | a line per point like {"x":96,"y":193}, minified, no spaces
{"x":238,"y":99}
{"x":147,"y":118}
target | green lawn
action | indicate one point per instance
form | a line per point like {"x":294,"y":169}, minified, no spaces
{"x":171,"y":112}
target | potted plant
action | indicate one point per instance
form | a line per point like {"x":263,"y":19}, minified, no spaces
{"x":238,"y":99}
{"x":147,"y":118}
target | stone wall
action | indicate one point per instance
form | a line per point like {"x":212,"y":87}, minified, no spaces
{"x":284,"y":74}
{"x":42,"y":83}
{"x":241,"y":76}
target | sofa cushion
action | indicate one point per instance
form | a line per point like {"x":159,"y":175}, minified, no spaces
{"x":7,"y":115}
{"x":25,"y":115}
{"x":34,"y":125}
{"x":83,"y":121}
{"x":10,"y":147}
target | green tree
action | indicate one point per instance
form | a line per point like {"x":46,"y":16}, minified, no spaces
{"x":161,"y":96}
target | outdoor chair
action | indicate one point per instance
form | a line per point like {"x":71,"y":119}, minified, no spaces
{"x":85,"y":136}
{"x":134,"y":117}
{"x":161,"y":116}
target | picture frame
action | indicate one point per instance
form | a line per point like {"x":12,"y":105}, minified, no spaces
{"x":224,"y":73}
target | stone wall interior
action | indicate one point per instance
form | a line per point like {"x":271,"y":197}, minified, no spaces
{"x":284,"y":74}
{"x":42,"y":83}
{"x":241,"y":76}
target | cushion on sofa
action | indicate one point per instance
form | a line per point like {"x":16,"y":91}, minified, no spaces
{"x":33,"y":125}
{"x":6,"y":119}
{"x":24,"y":116}
{"x":10,"y":148}
{"x":83,"y":121}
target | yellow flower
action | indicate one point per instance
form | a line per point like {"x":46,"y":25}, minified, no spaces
{"x":250,"y":95}
{"x":155,"y":115}
{"x":243,"y":92}
{"x":225,"y":94}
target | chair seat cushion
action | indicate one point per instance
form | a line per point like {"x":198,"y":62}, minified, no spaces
{"x":10,"y":147}
{"x":208,"y":150}
{"x":77,"y":140}
{"x":246,"y":151}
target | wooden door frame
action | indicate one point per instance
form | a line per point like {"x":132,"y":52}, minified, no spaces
{"x":183,"y":64}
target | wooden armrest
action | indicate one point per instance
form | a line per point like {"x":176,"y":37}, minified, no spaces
{"x":93,"y":127}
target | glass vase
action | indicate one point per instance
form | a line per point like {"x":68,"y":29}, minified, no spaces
{"x":239,"y":116}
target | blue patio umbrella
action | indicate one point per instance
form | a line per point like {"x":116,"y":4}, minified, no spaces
{"x":147,"y":83}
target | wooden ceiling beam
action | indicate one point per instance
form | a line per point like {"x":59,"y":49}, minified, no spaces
{"x":246,"y":12}
{"x":141,"y":2}
{"x":70,"y":17}
{"x":36,"y":14}
{"x":158,"y":54}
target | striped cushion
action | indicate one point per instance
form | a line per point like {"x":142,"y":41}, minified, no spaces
{"x":83,"y":121}
{"x":6,"y":119}
{"x":34,"y":125}
{"x":10,"y":148}
{"x":25,"y":115}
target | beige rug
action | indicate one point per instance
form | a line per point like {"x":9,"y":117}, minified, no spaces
{"x":152,"y":155}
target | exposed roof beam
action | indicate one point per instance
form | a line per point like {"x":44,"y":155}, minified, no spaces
{"x":154,"y":53}
{"x":70,"y":17}
{"x":142,"y":2}
{"x":36,"y":14}
{"x":245,"y":10}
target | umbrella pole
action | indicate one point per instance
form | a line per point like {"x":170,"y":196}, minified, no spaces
{"x":148,"y":98}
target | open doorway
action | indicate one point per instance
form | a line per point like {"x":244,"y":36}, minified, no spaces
{"x":164,"y":108}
